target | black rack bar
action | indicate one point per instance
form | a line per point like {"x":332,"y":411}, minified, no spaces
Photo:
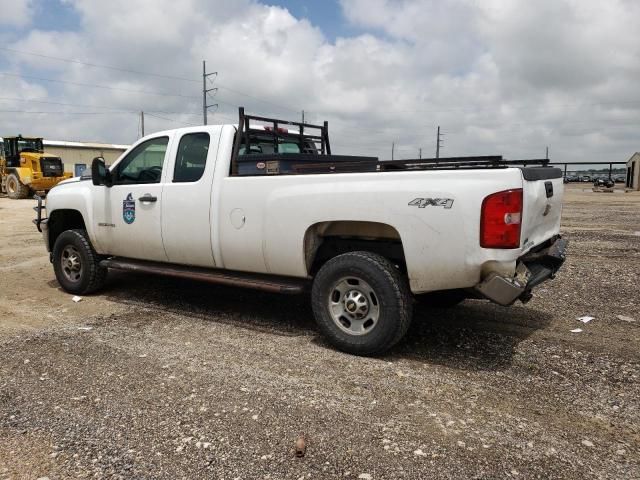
{"x":244,"y":133}
{"x":458,"y":162}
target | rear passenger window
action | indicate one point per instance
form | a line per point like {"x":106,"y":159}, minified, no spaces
{"x":192,"y":157}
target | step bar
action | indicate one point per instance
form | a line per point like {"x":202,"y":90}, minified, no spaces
{"x":267,"y":283}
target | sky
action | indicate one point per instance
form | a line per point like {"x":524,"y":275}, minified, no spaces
{"x":506,"y":77}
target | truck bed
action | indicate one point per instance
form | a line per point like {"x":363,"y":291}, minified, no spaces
{"x":313,"y":153}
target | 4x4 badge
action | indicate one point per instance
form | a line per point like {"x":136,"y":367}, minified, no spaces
{"x":129,"y":209}
{"x":431,"y":202}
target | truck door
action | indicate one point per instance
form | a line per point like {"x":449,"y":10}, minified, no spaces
{"x":128,"y":217}
{"x":186,"y":198}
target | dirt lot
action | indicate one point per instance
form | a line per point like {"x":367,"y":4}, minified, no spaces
{"x":160,"y":378}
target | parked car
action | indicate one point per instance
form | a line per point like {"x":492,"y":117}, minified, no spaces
{"x":603,"y":183}
{"x":270,"y":208}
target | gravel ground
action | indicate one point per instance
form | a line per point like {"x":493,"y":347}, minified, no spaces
{"x":163,"y":378}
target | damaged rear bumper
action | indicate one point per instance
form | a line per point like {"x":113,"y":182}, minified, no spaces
{"x":531,"y":270}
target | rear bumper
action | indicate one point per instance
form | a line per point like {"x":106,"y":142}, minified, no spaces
{"x":532,"y":269}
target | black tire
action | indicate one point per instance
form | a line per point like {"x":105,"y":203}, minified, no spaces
{"x":15,"y":188}
{"x":442,"y":299}
{"x":384,"y":289}
{"x":90,"y":277}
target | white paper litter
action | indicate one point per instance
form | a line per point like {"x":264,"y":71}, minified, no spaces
{"x":86,"y":329}
{"x":585,"y":319}
{"x":624,"y":318}
{"x":76,"y":299}
{"x":576,"y":330}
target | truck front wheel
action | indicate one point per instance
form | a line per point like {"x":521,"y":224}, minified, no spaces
{"x":15,"y":188}
{"x":76,"y":264}
{"x":361,"y":303}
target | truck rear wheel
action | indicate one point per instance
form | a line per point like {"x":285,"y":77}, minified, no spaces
{"x":361,"y":303}
{"x":15,"y":188}
{"x":76,"y":264}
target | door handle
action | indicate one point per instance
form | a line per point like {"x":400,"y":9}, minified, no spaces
{"x":148,"y":198}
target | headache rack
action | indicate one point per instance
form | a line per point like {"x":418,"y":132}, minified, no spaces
{"x":313,"y":155}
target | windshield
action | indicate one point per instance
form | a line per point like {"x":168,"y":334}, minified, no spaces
{"x":286,"y":144}
{"x":29,"y":145}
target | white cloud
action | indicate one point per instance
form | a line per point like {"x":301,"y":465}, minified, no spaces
{"x":500,"y":77}
{"x":16,"y":12}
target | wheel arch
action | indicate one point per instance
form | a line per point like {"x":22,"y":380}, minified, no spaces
{"x":325,"y":240}
{"x":61,"y":220}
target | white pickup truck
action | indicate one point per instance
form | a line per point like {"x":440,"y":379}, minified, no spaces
{"x":263,"y":204}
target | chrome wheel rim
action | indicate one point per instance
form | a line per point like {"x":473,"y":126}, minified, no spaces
{"x":354,"y":306}
{"x":71,"y":263}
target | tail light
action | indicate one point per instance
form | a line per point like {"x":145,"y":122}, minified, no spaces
{"x":500,"y":219}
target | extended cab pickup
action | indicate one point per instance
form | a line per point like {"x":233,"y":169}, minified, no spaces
{"x":264,"y":204}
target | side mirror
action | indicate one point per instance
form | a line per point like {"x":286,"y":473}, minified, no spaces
{"x":100,"y":174}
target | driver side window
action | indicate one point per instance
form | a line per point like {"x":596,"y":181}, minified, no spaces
{"x":144,"y":163}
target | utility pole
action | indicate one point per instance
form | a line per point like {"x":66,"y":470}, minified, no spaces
{"x":142,"y":122}
{"x":547,"y":155}
{"x":302,"y":116}
{"x":393,"y":148}
{"x":438,"y":143}
{"x":420,"y":153}
{"x":206,"y":90}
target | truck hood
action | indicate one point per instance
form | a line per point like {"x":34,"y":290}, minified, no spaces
{"x":73,"y":180}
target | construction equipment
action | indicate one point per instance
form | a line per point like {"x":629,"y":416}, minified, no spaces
{"x":25,"y":167}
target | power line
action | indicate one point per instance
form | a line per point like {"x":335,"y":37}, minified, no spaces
{"x":96,"y":65}
{"x":138,"y":72}
{"x":267,"y":102}
{"x":92,"y":85}
{"x":33,"y":100}
{"x":258,"y":99}
{"x":128,"y":112}
{"x":66,"y":113}
{"x":502,"y":126}
{"x":30,"y":100}
{"x":172,"y":120}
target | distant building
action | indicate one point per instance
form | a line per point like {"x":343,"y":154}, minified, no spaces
{"x":77,"y":156}
{"x":633,"y":172}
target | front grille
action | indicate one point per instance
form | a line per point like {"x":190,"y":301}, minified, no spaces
{"x":51,"y":167}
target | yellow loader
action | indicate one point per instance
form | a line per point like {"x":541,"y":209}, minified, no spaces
{"x":25,"y":168}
